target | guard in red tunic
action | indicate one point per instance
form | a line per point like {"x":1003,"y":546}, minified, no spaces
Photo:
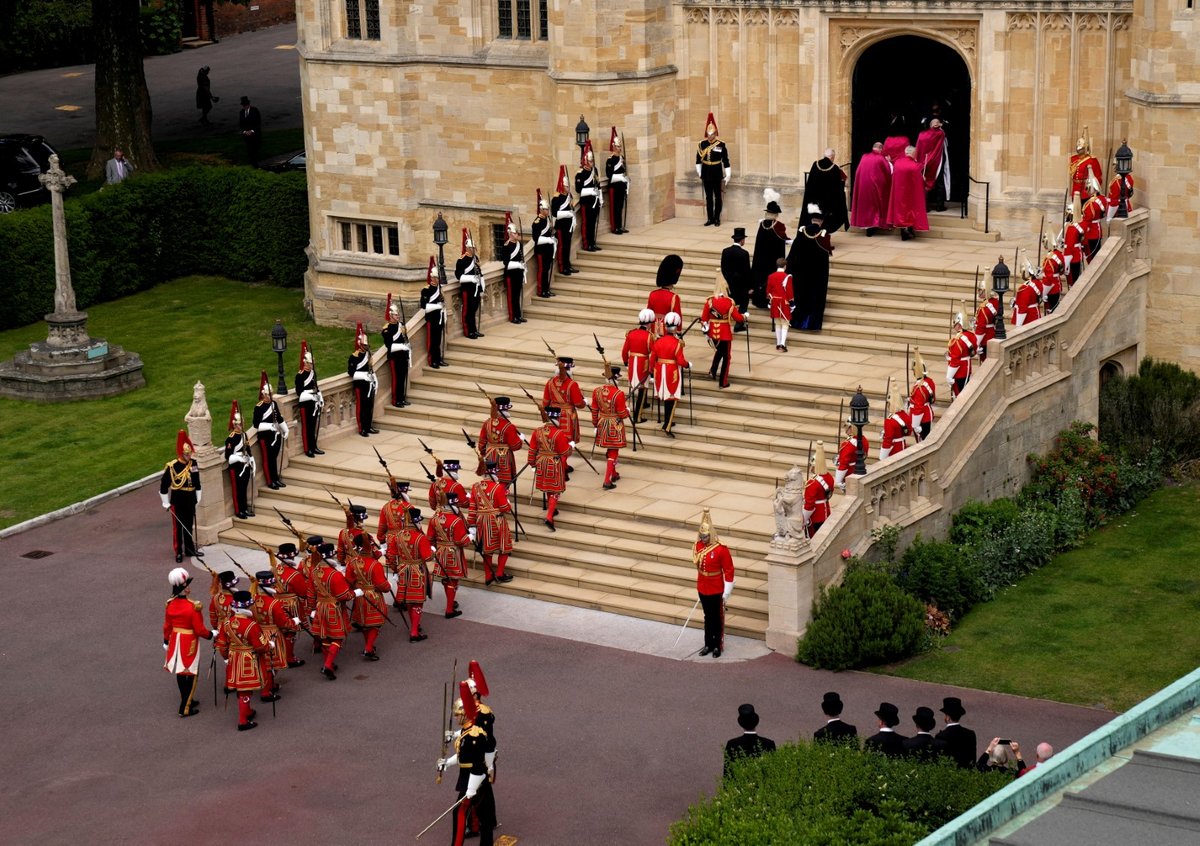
{"x":488,"y":525}
{"x":1114,"y":193}
{"x":817,"y":492}
{"x":356,"y":520}
{"x":609,"y":414}
{"x":220,"y":597}
{"x":449,"y":538}
{"x":446,"y":482}
{"x":563,"y":391}
{"x":1027,"y":303}
{"x":240,"y":641}
{"x":241,"y":464}
{"x":663,"y":300}
{"x":1073,"y":249}
{"x":548,"y":449}
{"x":896,"y":426}
{"x":848,"y":455}
{"x":959,"y":353}
{"x":499,"y":440}
{"x":1083,"y":165}
{"x":292,"y":589}
{"x":409,"y":553}
{"x":666,"y":359}
{"x":714,"y":583}
{"x":183,"y":626}
{"x":1095,"y":212}
{"x":780,"y":297}
{"x":330,"y":622}
{"x":922,"y":397}
{"x":635,"y":353}
{"x":985,"y":319}
{"x":179,"y":489}
{"x":393,"y":517}
{"x":271,"y":615}
{"x":272,"y":431}
{"x":1054,"y":271}
{"x":368,"y":613}
{"x":716,"y":320}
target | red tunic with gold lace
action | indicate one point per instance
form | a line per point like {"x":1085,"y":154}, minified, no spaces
{"x":183,"y":626}
{"x":548,"y":450}
{"x":564,"y":392}
{"x":409,"y":551}
{"x":448,"y":536}
{"x":241,"y":641}
{"x":489,"y":502}
{"x":608,"y":413}
{"x":369,"y":610}
{"x":329,"y":591}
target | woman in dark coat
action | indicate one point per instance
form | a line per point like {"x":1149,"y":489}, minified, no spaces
{"x":204,"y":95}
{"x":808,"y":262}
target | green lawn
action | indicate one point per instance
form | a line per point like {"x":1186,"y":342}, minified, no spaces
{"x":1107,"y":624}
{"x":195,"y":329}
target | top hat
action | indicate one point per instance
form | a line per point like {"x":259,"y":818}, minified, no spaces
{"x":889,"y":714}
{"x":739,"y":233}
{"x":952,"y":707}
{"x":924,"y":719}
{"x":747,"y":718}
{"x":831,"y":704}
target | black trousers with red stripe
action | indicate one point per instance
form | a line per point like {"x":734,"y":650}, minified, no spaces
{"x":514,"y":285}
{"x":308,"y":425}
{"x":481,"y":808}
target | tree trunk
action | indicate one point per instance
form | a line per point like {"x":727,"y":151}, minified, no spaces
{"x":122,"y":98}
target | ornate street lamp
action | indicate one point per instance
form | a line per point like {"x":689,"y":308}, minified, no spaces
{"x":582,"y":132}
{"x":1000,"y":288}
{"x":1124,"y":168}
{"x":860,"y":411}
{"x":279,"y":345}
{"x":439,"y":237}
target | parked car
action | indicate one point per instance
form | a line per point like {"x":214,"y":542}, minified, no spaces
{"x":284,"y":162}
{"x":22,"y":159}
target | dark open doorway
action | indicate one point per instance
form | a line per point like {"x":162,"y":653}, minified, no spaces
{"x":900,"y":79}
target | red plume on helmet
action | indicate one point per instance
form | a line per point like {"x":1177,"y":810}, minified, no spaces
{"x":470,"y":710}
{"x":360,"y":337}
{"x":466,"y":240}
{"x":235,"y":416}
{"x":264,"y":385}
{"x":305,"y":354}
{"x":184,"y":448}
{"x":711,"y":122}
{"x":508,"y":223}
{"x":431,"y":274}
{"x":613,"y":141}
{"x":387,"y":309}
{"x":540,"y":202}
{"x":562,"y":180}
{"x":585,"y":155}
{"x":475,"y":674}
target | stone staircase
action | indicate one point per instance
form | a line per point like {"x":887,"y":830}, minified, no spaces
{"x":628,"y":550}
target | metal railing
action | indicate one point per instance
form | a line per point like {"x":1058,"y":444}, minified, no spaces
{"x":987,"y":199}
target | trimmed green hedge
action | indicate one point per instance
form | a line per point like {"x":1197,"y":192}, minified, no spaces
{"x":832,"y":794}
{"x":236,"y":222}
{"x":867,"y":619}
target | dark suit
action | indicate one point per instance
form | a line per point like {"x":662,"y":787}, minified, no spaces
{"x":836,"y":731}
{"x":920,"y":745}
{"x":748,"y":745}
{"x":958,"y":743}
{"x":250,"y":125}
{"x":735,"y":267}
{"x":887,"y":742}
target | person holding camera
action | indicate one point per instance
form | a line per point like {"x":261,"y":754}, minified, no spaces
{"x":1002,"y":755}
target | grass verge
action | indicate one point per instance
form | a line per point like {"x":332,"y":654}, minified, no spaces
{"x":199,"y":328}
{"x":1105,"y":625}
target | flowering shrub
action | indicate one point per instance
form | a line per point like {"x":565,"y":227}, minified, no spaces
{"x":1078,"y":461}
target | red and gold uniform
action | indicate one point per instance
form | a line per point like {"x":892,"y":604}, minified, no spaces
{"x":393,"y":517}
{"x":609,"y":413}
{"x":896,"y":426}
{"x":443,"y":486}
{"x":409,"y":553}
{"x":1074,"y":250}
{"x":817,"y":492}
{"x":1026,"y":307}
{"x":1054,"y":268}
{"x":499,"y":440}
{"x":449,"y":538}
{"x":848,"y":456}
{"x":292,"y":589}
{"x":635,"y":353}
{"x":563,"y":391}
{"x":781,"y":294}
{"x":1095,"y":211}
{"x":663,"y":301}
{"x":183,"y":626}
{"x":1114,"y":192}
{"x":356,"y":519}
{"x":714,"y":583}
{"x":240,"y":641}
{"x":717,"y":319}
{"x":666,"y":359}
{"x":330,"y":622}
{"x":270,"y":614}
{"x":985,"y":322}
{"x":959,"y":352}
{"x":920,"y":406}
{"x":221,"y":597}
{"x":368,"y":613}
{"x":548,"y":449}
{"x":489,"y":504}
{"x":1083,"y":166}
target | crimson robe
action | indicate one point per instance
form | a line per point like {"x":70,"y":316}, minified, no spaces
{"x":872,"y":188}
{"x":907,"y":204}
{"x":931,"y":147}
{"x":893,"y":147}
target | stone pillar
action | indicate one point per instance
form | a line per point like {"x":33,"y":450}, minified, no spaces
{"x":215,"y":511}
{"x":789,"y":592}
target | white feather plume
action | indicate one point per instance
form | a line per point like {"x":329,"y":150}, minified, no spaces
{"x":770,"y":195}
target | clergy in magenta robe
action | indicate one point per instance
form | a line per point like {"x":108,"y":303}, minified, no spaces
{"x":906,"y":207}
{"x":872,"y":188}
{"x":931,"y":146}
{"x":893,"y":147}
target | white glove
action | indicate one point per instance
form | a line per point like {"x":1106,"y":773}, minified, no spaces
{"x":198,"y":494}
{"x":588,"y":402}
{"x":358,"y":592}
{"x":473,"y":784}
{"x":728,"y":590}
{"x":471,"y":532}
{"x":728,"y":171}
{"x":697,"y":170}
{"x":215,"y":633}
{"x":312,"y":615}
{"x":165,"y":500}
{"x":284,"y":428}
{"x":441,"y":765}
{"x":271,"y":644}
{"x":449,"y":738}
{"x":452,"y":761}
{"x":489,"y":758}
{"x":524,"y":439}
{"x":704,"y":327}
{"x":164,"y":647}
{"x":571,"y":444}
{"x":295,"y":621}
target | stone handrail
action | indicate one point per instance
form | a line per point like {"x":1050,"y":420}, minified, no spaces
{"x":1033,"y":384}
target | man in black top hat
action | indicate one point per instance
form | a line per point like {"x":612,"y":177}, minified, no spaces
{"x":735,"y":267}
{"x":835,"y":729}
{"x":955,"y":741}
{"x":250,"y":125}
{"x":749,"y":744}
{"x":920,"y":745}
{"x":886,"y":740}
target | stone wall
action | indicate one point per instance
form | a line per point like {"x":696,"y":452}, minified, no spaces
{"x":1042,"y":377}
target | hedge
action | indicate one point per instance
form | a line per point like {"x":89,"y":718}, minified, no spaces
{"x":831,"y":794}
{"x":236,"y":222}
{"x":868,"y":619}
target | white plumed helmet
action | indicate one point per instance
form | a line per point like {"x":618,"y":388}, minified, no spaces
{"x":646,"y":315}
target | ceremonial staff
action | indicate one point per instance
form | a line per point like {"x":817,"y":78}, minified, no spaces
{"x":449,"y":732}
{"x":391,"y":478}
{"x":212,"y":662}
{"x":608,"y":370}
{"x":808,"y":478}
{"x":516,"y":474}
{"x":195,"y":545}
{"x":304,"y":626}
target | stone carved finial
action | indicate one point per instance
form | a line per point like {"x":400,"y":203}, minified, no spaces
{"x":789,"y":508}
{"x":199,"y":420}
{"x":56,"y":181}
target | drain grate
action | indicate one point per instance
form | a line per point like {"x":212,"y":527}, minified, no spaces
{"x":38,"y":553}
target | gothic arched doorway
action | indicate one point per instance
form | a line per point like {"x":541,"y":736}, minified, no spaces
{"x":902,"y":78}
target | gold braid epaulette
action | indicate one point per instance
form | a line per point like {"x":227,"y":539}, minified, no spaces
{"x":698,"y":555}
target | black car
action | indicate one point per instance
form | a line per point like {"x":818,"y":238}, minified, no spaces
{"x":22,"y":159}
{"x":285,"y":162}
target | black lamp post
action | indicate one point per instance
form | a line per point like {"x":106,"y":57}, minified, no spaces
{"x":860,"y":411}
{"x":1124,"y":168}
{"x":1000,"y":288}
{"x":582,"y":132}
{"x":279,"y":344}
{"x":440,"y":238}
